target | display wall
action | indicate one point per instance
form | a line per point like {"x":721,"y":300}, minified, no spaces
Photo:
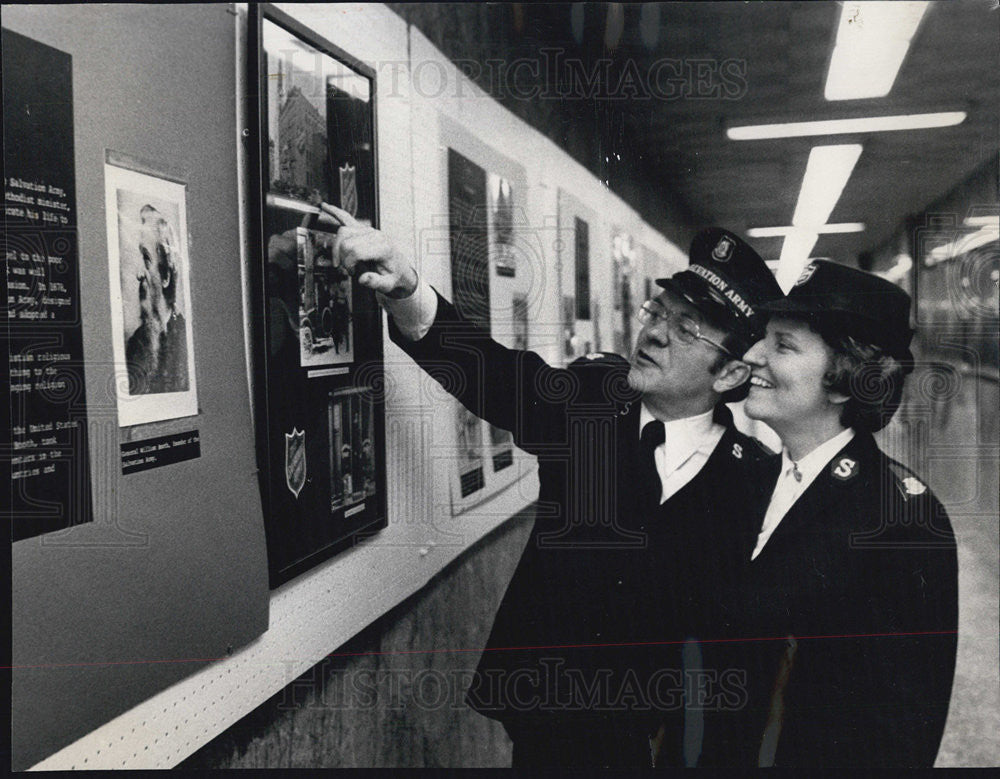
{"x":416,"y":123}
{"x":171,"y":572}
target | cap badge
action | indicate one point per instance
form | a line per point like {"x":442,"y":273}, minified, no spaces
{"x":737,"y":451}
{"x":807,"y":273}
{"x":724,"y":249}
{"x":845,"y":468}
{"x":914,"y":486}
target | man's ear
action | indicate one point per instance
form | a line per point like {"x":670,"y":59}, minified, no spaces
{"x":733,"y":374}
{"x":836,"y":398}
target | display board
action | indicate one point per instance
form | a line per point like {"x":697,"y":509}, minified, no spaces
{"x":582,"y":268}
{"x":171,"y":571}
{"x":45,"y":421}
{"x":318,"y":335}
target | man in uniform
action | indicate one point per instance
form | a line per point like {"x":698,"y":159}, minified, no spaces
{"x":643,"y":486}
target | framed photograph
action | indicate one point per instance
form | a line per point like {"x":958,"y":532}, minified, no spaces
{"x":581,"y":263}
{"x":325,"y":327}
{"x":519,"y":310}
{"x":595,"y":309}
{"x":571,"y":342}
{"x":351,"y":436}
{"x":320,"y":420}
{"x":623,"y":253}
{"x":469,"y":435}
{"x":502,"y":233}
{"x":149,"y":281}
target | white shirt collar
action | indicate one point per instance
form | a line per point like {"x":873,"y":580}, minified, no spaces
{"x":685,"y":435}
{"x":788,"y":489}
{"x":814,"y":462}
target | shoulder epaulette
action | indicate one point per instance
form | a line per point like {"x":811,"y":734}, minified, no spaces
{"x":599,"y":358}
{"x":907,"y":482}
{"x":762,"y":449}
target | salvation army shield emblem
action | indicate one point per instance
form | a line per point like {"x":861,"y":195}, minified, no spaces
{"x":295,"y":460}
{"x":724,"y":249}
{"x":349,"y":188}
{"x":807,"y":273}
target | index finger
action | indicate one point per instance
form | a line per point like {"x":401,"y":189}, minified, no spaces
{"x":339,"y":213}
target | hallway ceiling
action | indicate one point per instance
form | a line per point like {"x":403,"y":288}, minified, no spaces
{"x":668,"y":155}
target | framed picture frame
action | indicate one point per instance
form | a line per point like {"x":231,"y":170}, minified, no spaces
{"x":317,"y":336}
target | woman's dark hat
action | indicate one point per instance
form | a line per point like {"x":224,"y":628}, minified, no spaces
{"x":728,"y":281}
{"x":865,"y":306}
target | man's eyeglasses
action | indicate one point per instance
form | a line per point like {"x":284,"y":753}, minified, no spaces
{"x":683,"y":327}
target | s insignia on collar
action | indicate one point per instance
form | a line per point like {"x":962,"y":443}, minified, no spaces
{"x":914,"y":486}
{"x":845,"y":468}
{"x":806,"y":274}
{"x":724,"y":249}
{"x":737,"y":451}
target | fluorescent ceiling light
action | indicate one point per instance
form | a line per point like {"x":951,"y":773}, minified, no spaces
{"x":827,"y":172}
{"x":868,"y":124}
{"x":778,"y":232}
{"x":984,"y":235}
{"x":795,"y":253}
{"x":872,"y":41}
{"x":904,"y":264}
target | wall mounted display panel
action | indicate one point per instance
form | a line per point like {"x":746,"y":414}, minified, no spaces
{"x":580,"y":272}
{"x":318,"y":335}
{"x":45,"y":422}
{"x":492,"y":267}
{"x":494,"y":257}
{"x":171,"y":571}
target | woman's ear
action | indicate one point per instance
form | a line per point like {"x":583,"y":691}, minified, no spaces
{"x":733,"y":374}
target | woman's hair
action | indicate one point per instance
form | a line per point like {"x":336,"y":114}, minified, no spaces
{"x":866,"y":373}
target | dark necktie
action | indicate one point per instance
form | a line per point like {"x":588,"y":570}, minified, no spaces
{"x":650,"y":486}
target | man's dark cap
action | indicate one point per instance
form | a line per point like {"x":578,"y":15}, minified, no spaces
{"x":728,"y":281}
{"x":862,"y":305}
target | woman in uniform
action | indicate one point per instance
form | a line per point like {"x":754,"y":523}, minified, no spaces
{"x":850,"y":596}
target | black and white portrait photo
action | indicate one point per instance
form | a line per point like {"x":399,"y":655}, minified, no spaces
{"x":150,"y":296}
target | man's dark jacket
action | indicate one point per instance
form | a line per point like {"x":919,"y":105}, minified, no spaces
{"x":587,"y":640}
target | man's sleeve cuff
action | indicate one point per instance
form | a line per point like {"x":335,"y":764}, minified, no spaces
{"x":415,"y":314}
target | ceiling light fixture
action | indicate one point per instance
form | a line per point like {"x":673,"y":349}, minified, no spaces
{"x":983,"y":236}
{"x":872,"y":41}
{"x":827,"y":172}
{"x":867,"y":124}
{"x":795,"y":253}
{"x":986,"y":220}
{"x":779,"y":232}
